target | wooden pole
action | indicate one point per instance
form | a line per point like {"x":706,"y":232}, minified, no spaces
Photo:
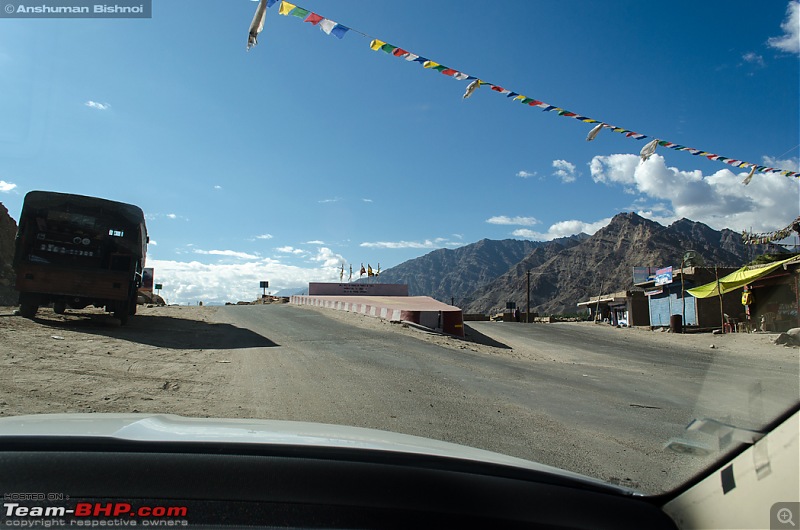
{"x":719,"y":292}
{"x":683,"y":297}
{"x":528,"y":311}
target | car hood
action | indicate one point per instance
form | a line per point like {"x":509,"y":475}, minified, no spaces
{"x":173,"y":428}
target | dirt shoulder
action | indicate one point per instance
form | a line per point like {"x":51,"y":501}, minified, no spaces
{"x":165,"y":360}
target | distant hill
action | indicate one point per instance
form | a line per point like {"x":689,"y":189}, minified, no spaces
{"x":455,"y":273}
{"x":8,"y":231}
{"x":604,"y":262}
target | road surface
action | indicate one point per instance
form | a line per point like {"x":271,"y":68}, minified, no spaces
{"x":596,"y":400}
{"x":588,"y":398}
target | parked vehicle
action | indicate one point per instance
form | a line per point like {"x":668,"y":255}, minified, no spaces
{"x":75,"y":251}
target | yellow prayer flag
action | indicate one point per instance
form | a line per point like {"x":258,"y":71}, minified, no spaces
{"x":286,"y":8}
{"x":376,"y":44}
{"x":430,"y":64}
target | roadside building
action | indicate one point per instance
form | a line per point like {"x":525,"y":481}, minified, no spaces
{"x":623,"y":308}
{"x":667,"y":295}
{"x":774,"y":295}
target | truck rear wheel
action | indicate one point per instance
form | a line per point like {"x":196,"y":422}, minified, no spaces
{"x":122,"y":311}
{"x":28,"y":310}
{"x":59,"y":307}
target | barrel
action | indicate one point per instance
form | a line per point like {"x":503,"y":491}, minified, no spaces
{"x":676,"y":323}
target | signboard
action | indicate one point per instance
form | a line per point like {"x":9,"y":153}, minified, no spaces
{"x":158,"y":287}
{"x":357,"y":289}
{"x":664,"y":276}
{"x":264,"y":285}
{"x":643,"y":274}
{"x":653,"y":293}
{"x":147,"y":279}
{"x":511,"y":305}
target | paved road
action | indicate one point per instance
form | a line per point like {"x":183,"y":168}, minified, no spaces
{"x":579,"y":398}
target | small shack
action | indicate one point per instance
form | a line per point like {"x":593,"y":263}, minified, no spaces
{"x":623,"y":308}
{"x":668,"y":294}
{"x":774,"y":294}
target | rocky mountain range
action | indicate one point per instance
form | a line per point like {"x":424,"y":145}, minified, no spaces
{"x":453,"y":274}
{"x":567,"y":271}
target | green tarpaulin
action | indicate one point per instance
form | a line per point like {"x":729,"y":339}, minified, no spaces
{"x":735,"y":280}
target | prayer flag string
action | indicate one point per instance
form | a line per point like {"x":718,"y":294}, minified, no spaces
{"x":338,"y":30}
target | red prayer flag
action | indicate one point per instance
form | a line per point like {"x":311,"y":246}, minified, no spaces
{"x":449,"y":71}
{"x":313,"y":18}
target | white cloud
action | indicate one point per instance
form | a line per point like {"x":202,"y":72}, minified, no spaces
{"x":227,"y":253}
{"x":505,"y":220}
{"x":792,"y":164}
{"x":564,"y":170}
{"x":217,"y":187}
{"x":325,"y":201}
{"x":328,"y":258}
{"x":96,"y":105}
{"x":439,"y":242}
{"x":526,"y":174}
{"x":367,"y":200}
{"x":562,"y":229}
{"x":5,"y":187}
{"x":753,"y":58}
{"x":264,"y":236}
{"x":719,"y":200}
{"x":190,"y":282}
{"x":790,"y":40}
{"x":152,"y":242}
{"x":315,"y":242}
{"x":172,"y":216}
{"x":290,"y":250}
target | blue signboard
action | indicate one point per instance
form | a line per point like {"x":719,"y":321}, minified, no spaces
{"x":664,"y":276}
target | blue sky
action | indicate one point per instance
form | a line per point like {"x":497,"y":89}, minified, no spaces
{"x":309,"y":151}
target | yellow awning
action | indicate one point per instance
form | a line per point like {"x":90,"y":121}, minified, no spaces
{"x":735,"y":280}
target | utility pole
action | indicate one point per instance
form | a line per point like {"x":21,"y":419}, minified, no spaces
{"x":721,"y":311}
{"x":528,"y":311}
{"x":683,"y":295}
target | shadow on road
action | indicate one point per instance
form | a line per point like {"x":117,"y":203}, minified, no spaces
{"x":162,"y":331}
{"x":473,"y":335}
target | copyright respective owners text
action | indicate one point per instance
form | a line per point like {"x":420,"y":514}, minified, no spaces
{"x":76,"y":9}
{"x":49,"y":510}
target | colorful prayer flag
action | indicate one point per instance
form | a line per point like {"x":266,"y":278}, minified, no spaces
{"x":593,"y":133}
{"x":285,"y":8}
{"x":326,"y":25}
{"x":338,"y":31}
{"x":313,"y":18}
{"x":648,"y":150}
{"x":472,"y":87}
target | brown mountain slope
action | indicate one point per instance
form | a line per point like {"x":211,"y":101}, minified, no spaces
{"x":454,"y":273}
{"x":604,"y":263}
